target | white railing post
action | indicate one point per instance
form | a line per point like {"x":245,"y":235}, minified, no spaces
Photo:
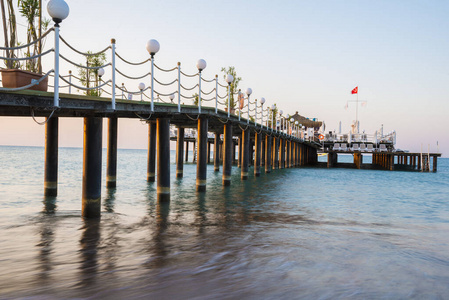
{"x":255,"y":109}
{"x":152,"y":82}
{"x":70,"y":81}
{"x":199,"y":93}
{"x":216,"y":93}
{"x":229,"y":100}
{"x":179,"y":87}
{"x":113,"y":74}
{"x":247,"y":121}
{"x":56,"y":82}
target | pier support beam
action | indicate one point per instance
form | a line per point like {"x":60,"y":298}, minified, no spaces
{"x":287,"y":152}
{"x":151,"y":169}
{"x":358,"y":160}
{"x":208,"y":151}
{"x":281,"y":153}
{"x":163,"y":159}
{"x":239,"y":160}
{"x":111,"y":166}
{"x":258,"y":145}
{"x":275,"y":152}
{"x":51,"y":157}
{"x":227,"y":158}
{"x":187,"y":151}
{"x":91,"y":199}
{"x":180,"y":153}
{"x":245,"y":154}
{"x":332,"y":159}
{"x":201,"y":165}
{"x":267,"y":154}
{"x":217,"y":152}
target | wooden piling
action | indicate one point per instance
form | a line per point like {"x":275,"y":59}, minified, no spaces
{"x":151,"y":169}
{"x":91,"y":196}
{"x":180,"y":153}
{"x":268,"y":153}
{"x":201,"y":165}
{"x":258,"y":145}
{"x":217,"y":152}
{"x":163,"y":159}
{"x":111,"y":166}
{"x":227,"y":160}
{"x":282,"y":153}
{"x":51,"y":157}
{"x":245,"y":154}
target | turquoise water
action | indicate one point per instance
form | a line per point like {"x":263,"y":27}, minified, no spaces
{"x":294,"y":233}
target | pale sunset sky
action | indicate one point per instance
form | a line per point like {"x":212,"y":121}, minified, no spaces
{"x":305,"y":56}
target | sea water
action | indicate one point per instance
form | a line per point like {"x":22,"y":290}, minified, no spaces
{"x":300,"y":233}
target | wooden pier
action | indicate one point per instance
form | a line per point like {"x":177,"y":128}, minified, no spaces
{"x":258,"y":145}
{"x":385,"y":160}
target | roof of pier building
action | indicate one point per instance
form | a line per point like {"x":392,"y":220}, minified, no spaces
{"x":306,"y":121}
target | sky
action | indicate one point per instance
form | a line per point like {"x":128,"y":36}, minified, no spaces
{"x":305,"y":56}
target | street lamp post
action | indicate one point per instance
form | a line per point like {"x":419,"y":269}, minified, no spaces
{"x":152,"y":48}
{"x":100,"y":73}
{"x":249,"y":91}
{"x":58,"y":11}
{"x":229,"y":80}
{"x":141,"y":88}
{"x":262,"y":101}
{"x":272,"y":116}
{"x":201,"y":65}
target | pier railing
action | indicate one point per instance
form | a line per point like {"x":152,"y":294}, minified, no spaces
{"x":118,"y":77}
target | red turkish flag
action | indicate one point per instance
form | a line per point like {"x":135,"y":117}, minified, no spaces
{"x":355,"y":90}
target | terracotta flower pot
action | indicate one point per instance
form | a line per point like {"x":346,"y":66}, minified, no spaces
{"x":14,"y":78}
{"x":232,"y":110}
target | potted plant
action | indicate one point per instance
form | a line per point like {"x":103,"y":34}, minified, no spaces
{"x":17,"y":74}
{"x":234,"y":88}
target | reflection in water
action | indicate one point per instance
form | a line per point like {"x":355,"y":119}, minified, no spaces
{"x":49,"y":205}
{"x":160,"y":249}
{"x":201,"y":211}
{"x":110,"y":200}
{"x":48,"y":224}
{"x":89,"y":241}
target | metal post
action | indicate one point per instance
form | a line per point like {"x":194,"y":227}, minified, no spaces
{"x":267,"y":154}
{"x":70,"y":81}
{"x":229,"y":100}
{"x":227,"y":159}
{"x":199,"y":94}
{"x":282,"y":153}
{"x":111,"y":169}
{"x":179,"y":153}
{"x":151,"y":170}
{"x":217,"y":152}
{"x":276,"y":153}
{"x":56,"y":82}
{"x":91,"y":199}
{"x":247,"y":121}
{"x":163,"y":159}
{"x":245,"y":154}
{"x":179,"y":87}
{"x":216,"y":93}
{"x":201,"y":165}
{"x":258,"y":144}
{"x":51,"y":157}
{"x":113,"y":74}
{"x":152,"y":83}
{"x":239,"y":159}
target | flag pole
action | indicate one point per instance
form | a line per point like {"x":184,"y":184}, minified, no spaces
{"x":357,"y":111}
